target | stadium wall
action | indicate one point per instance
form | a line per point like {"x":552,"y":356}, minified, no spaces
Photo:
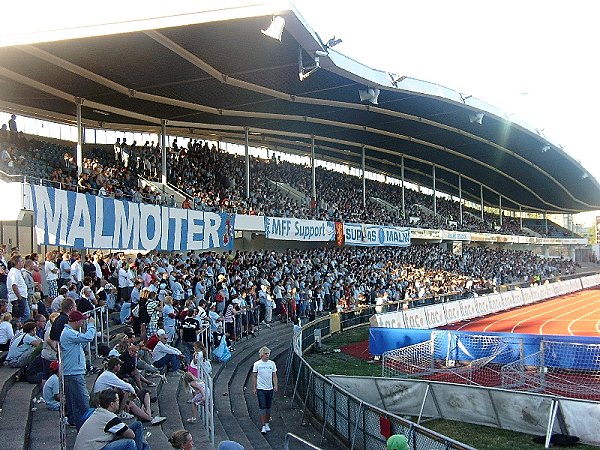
{"x":396,"y":329}
{"x":524,"y":412}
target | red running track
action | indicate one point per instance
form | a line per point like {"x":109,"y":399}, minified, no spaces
{"x":576,"y":314}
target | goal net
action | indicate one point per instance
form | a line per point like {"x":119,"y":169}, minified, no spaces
{"x":454,"y":356}
{"x":560,"y":368}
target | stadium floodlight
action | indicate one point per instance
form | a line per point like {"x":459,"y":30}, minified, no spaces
{"x":275,"y":30}
{"x":333,"y":42}
{"x":396,"y":78}
{"x":476,"y":118}
{"x":545,"y":148}
{"x":305,"y":72}
{"x":584,"y":176}
{"x":464,"y":97}
{"x":371,"y":95}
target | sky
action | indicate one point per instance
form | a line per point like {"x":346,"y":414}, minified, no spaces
{"x":536,"y":60}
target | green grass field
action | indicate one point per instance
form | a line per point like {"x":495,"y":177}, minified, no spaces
{"x":329,"y":360}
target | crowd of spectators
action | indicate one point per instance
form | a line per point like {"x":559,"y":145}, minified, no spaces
{"x":167,"y":298}
{"x":213,"y":180}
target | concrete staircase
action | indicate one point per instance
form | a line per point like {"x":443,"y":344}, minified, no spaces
{"x":236,"y":415}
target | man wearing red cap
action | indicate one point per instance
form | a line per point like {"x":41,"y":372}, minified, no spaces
{"x":72,"y":342}
{"x":51,"y":391}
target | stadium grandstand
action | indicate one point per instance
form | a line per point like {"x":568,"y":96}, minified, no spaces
{"x":254,"y":164}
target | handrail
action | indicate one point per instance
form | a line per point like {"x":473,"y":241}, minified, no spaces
{"x":290,"y":436}
{"x":62,"y":425}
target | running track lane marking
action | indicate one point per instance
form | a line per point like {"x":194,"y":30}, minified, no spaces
{"x":569,"y":300}
{"x":524,"y":311}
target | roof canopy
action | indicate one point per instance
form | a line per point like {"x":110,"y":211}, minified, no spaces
{"x":212,"y":73}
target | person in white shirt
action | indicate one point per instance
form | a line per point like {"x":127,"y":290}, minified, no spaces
{"x":125,"y":283}
{"x":77,"y":271}
{"x":264,"y":384}
{"x":164,"y":355}
{"x":17,"y":289}
{"x":51,"y":272}
{"x":6,"y":331}
{"x":96,"y":262}
{"x":109,"y":379}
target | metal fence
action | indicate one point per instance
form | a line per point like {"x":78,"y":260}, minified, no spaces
{"x":356,"y":422}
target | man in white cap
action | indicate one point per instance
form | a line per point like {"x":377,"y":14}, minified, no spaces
{"x":165,"y":355}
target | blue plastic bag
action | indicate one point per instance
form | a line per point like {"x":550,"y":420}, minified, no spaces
{"x":222,"y":353}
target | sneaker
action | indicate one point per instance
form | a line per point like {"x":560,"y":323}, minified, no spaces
{"x":267,"y":427}
{"x":158,"y":420}
{"x":125,"y":415}
{"x":191,"y":420}
{"x":264,"y":429}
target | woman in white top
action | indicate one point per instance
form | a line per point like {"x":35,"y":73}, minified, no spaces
{"x":6,"y":331}
{"x":51,"y":272}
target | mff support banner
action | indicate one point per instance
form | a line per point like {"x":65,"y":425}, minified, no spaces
{"x":72,"y":219}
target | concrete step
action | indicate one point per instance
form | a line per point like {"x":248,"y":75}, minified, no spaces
{"x":230,"y":379}
{"x":7,"y":379}
{"x":168,"y":407}
{"x":200,"y":434}
{"x":16,"y":415}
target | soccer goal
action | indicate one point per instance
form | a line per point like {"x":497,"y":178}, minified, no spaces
{"x":453,"y":356}
{"x":560,"y":368}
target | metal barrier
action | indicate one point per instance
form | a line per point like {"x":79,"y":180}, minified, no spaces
{"x":207,"y":411}
{"x":351,"y":419}
{"x":101,"y":315}
{"x":245,"y":323}
{"x":291,"y":436}
{"x":62,"y":426}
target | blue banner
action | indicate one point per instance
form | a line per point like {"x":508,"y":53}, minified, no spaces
{"x":290,"y":229}
{"x":72,"y":219}
{"x":376,"y":235}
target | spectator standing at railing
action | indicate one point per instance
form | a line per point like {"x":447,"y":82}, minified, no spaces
{"x":77,"y":271}
{"x":51,"y":272}
{"x":12,"y":128}
{"x":125,"y":282}
{"x":17,"y":289}
{"x":169,"y":318}
{"x":73,"y":357}
{"x":65,"y":269}
{"x":27,"y":273}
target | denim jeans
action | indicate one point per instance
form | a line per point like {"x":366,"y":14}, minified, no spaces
{"x":125,"y":312}
{"x":188,"y":350}
{"x":130,"y":444}
{"x":78,"y":399}
{"x":169,"y":360}
{"x":26,"y":312}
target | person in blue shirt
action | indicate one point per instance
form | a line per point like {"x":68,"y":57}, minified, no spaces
{"x":72,"y":343}
{"x":51,"y":391}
